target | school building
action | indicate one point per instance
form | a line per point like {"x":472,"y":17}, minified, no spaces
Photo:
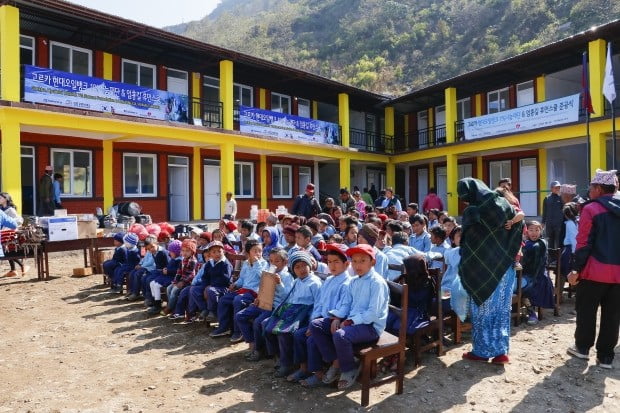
{"x":127,"y":112}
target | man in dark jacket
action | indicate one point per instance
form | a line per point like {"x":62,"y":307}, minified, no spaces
{"x":46,"y":193}
{"x":552,"y":216}
{"x":346,"y":201}
{"x":307,"y":205}
{"x":597,"y":271}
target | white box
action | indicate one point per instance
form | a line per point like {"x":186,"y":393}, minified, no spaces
{"x":62,"y":228}
{"x":60,"y":212}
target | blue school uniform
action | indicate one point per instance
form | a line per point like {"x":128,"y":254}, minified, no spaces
{"x":310,"y":249}
{"x":395,"y":256}
{"x":215,"y":275}
{"x":147,"y":263}
{"x":421,"y":242}
{"x":163,"y":279}
{"x":381,"y":266}
{"x":161,"y":262}
{"x":119,"y":258}
{"x":438,"y":249}
{"x":133,"y":259}
{"x":334,"y":298}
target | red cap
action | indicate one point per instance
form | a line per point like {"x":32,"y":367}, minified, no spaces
{"x":231,"y":226}
{"x":310,"y":187}
{"x":382,"y":217}
{"x":339,"y":248}
{"x":362,"y":249}
{"x":206,"y":235}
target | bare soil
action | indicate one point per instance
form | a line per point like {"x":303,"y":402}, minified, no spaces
{"x":69,"y":346}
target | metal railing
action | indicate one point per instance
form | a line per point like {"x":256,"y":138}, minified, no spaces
{"x":371,"y":141}
{"x":208,"y":113}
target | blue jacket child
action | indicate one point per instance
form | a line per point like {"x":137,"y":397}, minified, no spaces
{"x":132,"y":260}
{"x":119,"y":258}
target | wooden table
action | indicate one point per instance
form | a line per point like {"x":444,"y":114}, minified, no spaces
{"x":90,"y":247}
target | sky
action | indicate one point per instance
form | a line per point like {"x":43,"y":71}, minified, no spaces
{"x":157,"y":13}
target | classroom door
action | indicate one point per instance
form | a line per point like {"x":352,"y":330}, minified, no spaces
{"x":29,"y":181}
{"x":211,"y":192}
{"x":422,"y":185}
{"x":528,"y":187}
{"x":178,"y":188}
{"x":441,"y":176}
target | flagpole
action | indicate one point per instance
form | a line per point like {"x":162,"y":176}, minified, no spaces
{"x":613,"y":136}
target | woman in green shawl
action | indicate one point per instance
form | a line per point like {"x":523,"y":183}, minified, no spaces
{"x":488,"y":250}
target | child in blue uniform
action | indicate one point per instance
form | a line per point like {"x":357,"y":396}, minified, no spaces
{"x":155,"y":259}
{"x":164,"y":277}
{"x":537,"y":287}
{"x":119,"y":258}
{"x":420,"y":239}
{"x":130,"y":241}
{"x":183,"y":278}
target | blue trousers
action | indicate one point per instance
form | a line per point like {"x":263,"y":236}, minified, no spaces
{"x":135,"y":280}
{"x":250,"y":322}
{"x":108,"y":268}
{"x":120,"y":272}
{"x":182,"y":301}
{"x":229,"y":305}
{"x":340,"y":344}
{"x":172,"y":292}
{"x":213,"y":297}
{"x":197,"y":301}
{"x":315,"y":359}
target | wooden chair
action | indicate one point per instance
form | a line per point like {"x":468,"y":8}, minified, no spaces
{"x":434,"y":329}
{"x":400,"y":268}
{"x":517,"y":300}
{"x":387,"y":345}
{"x":556,"y":254}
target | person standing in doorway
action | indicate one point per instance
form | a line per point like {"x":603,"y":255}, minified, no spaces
{"x":373,"y":191}
{"x":46,"y":193}
{"x":230,"y":209}
{"x":552,"y":215}
{"x":57,"y":190}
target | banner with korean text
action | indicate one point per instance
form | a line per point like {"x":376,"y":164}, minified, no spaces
{"x":539,"y":115}
{"x":53,"y":87}
{"x":281,"y":125}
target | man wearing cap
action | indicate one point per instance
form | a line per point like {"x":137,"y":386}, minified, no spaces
{"x":345,"y":202}
{"x":552,"y":215}
{"x":46,"y":193}
{"x":307,"y":205}
{"x":597,"y":271}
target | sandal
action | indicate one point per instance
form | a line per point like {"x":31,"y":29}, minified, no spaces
{"x":297,"y":376}
{"x":472,"y":357}
{"x":331,"y":375}
{"x":348,"y":378}
{"x":312,"y":381}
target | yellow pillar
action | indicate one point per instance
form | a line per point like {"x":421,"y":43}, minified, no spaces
{"x":450,"y":96}
{"x":198,"y":188}
{"x":108,"y":174}
{"x":479,"y":168}
{"x":343,"y":120}
{"x":227,"y":172}
{"x":541,"y":91}
{"x":315,"y":109}
{"x":598,"y":152}
{"x":452,"y":176}
{"x":543,"y":178}
{"x":597,"y":50}
{"x":226,"y":94}
{"x":389,"y":128}
{"x":263,"y":181}
{"x":196,"y":91}
{"x":345,"y":173}
{"x":262,"y":99}
{"x":107,"y":66}
{"x":9,"y":55}
{"x":431,"y":175}
{"x":478,"y":104}
{"x":390,"y":175}
{"x":12,"y":161}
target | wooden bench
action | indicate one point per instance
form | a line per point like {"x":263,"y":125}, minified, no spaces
{"x":434,"y":329}
{"x":517,"y":300}
{"x":387,"y":345}
{"x":555,"y":264}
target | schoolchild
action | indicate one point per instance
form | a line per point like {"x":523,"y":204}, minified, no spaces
{"x":163,"y":275}
{"x":241,"y":293}
{"x":438,"y":238}
{"x":289,"y":236}
{"x":350,"y":236}
{"x":303,"y":242}
{"x":147,"y":264}
{"x":130,"y":241}
{"x":370,"y":234}
{"x":269,"y":238}
{"x":119,"y":258}
{"x":420,"y":239}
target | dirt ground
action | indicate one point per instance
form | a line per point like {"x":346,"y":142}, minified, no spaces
{"x":68,"y":346}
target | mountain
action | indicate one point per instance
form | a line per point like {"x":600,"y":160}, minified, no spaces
{"x":390,"y":46}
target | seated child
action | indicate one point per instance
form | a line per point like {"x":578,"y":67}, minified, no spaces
{"x":119,"y":258}
{"x":433,"y":218}
{"x":215,"y":273}
{"x":350,"y":236}
{"x":332,"y":305}
{"x":364,"y":323}
{"x":303,"y":242}
{"x":147,"y":263}
{"x":241,"y":293}
{"x":369,"y":234}
{"x":293,"y":313}
{"x":451,"y":259}
{"x":397,"y":254}
{"x":251,"y":318}
{"x":183,"y":277}
{"x":289,"y":236}
{"x":269,"y":238}
{"x":438,"y":238}
{"x":165,"y":272}
{"x":246,"y":229}
{"x":537,"y":287}
{"x":420,"y":239}
{"x":571,"y":218}
{"x":133,"y":258}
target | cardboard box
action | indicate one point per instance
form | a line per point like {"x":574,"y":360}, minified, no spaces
{"x":62,"y":228}
{"x":87,"y":229}
{"x":82,"y":271}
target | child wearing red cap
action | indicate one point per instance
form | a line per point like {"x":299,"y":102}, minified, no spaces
{"x":364,"y":323}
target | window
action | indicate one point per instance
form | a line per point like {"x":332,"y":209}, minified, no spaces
{"x":463,"y":109}
{"x":305,"y":177}
{"x":280,"y":103}
{"x":243,"y":95}
{"x":136,"y":73}
{"x":499,"y":170}
{"x":76,"y":169}
{"x":525,"y":93}
{"x":303,"y":108}
{"x":70,"y":59}
{"x":244,"y":180}
{"x":497,"y":100}
{"x":281,"y":181}
{"x":26,"y":50}
{"x":210,"y":89}
{"x":139,"y":175}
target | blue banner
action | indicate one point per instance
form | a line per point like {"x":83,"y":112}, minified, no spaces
{"x":539,"y":115}
{"x":53,"y":87}
{"x":281,"y":125}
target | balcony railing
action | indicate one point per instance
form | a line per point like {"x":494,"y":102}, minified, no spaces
{"x":371,"y":141}
{"x":207,"y":112}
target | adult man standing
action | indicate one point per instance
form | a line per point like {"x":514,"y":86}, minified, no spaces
{"x":346,"y":201}
{"x":597,"y":271}
{"x":230,"y":208}
{"x":46,"y":193}
{"x":552,"y":215}
{"x":306,"y":205}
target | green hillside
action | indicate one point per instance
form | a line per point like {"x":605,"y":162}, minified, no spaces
{"x":391,"y":46}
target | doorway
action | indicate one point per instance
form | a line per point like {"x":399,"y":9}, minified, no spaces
{"x":442,"y":185}
{"x":422,"y":185}
{"x":211,"y":190}
{"x":29,"y":181}
{"x":528,"y":187}
{"x":178,"y":188}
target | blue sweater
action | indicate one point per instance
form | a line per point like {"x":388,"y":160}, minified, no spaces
{"x":305,"y":291}
{"x":334,"y":298}
{"x":249,"y":278}
{"x":133,"y":257}
{"x":217,"y":274}
{"x":369,"y":300}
